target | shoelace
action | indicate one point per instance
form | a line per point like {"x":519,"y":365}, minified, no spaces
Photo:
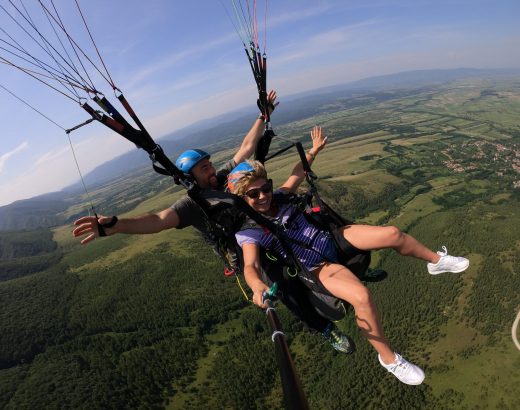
{"x":335,"y":337}
{"x":444,"y":251}
{"x":400,"y":367}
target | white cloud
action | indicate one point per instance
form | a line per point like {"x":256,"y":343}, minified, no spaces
{"x":331,"y":41}
{"x":174,"y":59}
{"x":300,"y":14}
{"x":288,"y":81}
{"x":50,"y":157}
{"x":38,"y":179}
{"x":209,"y":107}
{"x":8,"y":155}
{"x":442,"y":57}
{"x":154,"y":92}
{"x":55,"y":169}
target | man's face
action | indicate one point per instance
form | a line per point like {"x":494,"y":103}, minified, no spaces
{"x":205,"y":174}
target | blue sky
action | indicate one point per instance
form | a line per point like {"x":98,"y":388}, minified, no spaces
{"x":178,"y":62}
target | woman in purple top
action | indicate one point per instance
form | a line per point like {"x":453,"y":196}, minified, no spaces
{"x":315,"y":249}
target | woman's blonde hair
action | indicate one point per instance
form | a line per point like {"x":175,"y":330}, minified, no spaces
{"x":239,"y":180}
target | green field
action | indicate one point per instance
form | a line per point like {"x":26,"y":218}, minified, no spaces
{"x":151,"y":321}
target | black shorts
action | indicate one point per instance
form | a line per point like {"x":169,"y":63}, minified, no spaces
{"x":355,"y":259}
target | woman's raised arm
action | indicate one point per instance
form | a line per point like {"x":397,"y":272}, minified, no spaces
{"x":319,"y":140}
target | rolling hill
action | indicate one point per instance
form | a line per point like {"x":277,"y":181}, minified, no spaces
{"x":227,"y":130}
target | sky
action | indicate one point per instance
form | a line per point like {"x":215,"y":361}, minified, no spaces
{"x":178,"y":62}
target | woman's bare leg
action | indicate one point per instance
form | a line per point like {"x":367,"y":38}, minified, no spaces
{"x":367,"y":237}
{"x":345,"y":285}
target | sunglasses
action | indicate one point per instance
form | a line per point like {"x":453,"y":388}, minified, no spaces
{"x":265,"y":189}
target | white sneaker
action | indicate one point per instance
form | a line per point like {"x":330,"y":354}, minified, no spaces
{"x":447,"y":263}
{"x":405,"y":371}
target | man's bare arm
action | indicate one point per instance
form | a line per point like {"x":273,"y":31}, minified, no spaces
{"x":87,"y":226}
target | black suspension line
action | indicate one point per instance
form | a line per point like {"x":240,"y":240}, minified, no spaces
{"x":35,"y":61}
{"x":45,"y":42}
{"x":111,"y":82}
{"x":76,"y":45}
{"x":235,"y":26}
{"x":244,"y":21}
{"x":89,"y":198}
{"x":73,"y":66}
{"x":64,"y":81}
{"x":34,"y":75}
{"x":73,"y":48}
{"x":113,"y":120}
{"x":58,"y":21}
{"x":61,"y":68}
{"x":31,"y":107}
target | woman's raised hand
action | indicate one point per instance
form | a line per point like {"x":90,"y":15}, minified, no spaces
{"x":319,"y":140}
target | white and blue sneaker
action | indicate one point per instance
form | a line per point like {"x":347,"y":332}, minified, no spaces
{"x":447,"y":263}
{"x":405,"y":371}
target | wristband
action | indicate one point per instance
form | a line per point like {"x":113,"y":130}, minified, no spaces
{"x":109,"y":224}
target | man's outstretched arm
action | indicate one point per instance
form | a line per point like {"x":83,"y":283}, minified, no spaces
{"x":87,"y":226}
{"x":255,"y":133}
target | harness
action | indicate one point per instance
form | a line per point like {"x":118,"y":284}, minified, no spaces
{"x":226,"y":214}
{"x":324,"y":219}
{"x":222,"y":221}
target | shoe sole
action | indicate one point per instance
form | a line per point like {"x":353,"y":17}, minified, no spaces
{"x":417,"y":383}
{"x":450,"y":271}
{"x":349,"y":352}
{"x":411,"y":384}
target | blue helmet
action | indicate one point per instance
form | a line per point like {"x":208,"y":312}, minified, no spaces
{"x":237,"y":173}
{"x":188,"y":159}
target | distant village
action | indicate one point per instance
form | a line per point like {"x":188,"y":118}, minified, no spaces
{"x":485,"y":155}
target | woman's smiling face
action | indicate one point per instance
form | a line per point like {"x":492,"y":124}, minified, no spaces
{"x":259,"y":195}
